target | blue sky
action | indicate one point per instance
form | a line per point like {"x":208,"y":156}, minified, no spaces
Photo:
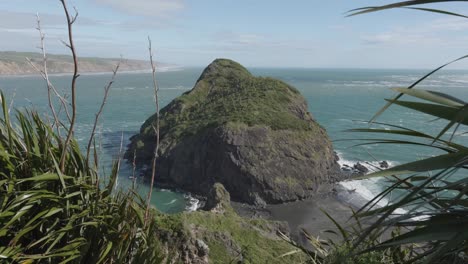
{"x":257,"y":33}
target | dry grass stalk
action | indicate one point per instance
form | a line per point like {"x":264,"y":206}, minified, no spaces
{"x":70,"y":21}
{"x":101,"y":108}
{"x":45,"y":75}
{"x":156,"y":129}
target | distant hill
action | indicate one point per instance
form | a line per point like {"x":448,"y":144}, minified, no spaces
{"x":15,"y":63}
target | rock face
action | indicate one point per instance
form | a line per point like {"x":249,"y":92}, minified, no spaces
{"x":254,"y":135}
{"x":218,"y":198}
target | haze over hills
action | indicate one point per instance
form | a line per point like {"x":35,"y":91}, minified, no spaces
{"x":15,"y":63}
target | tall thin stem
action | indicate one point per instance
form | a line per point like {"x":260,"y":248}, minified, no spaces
{"x":156,"y":129}
{"x":101,"y":108}
{"x":70,"y":21}
{"x":46,"y":74}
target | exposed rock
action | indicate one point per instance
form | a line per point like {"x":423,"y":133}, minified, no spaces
{"x":346,"y":167}
{"x":208,"y":237}
{"x":361,"y":168}
{"x":254,"y":135}
{"x":384,"y":164}
{"x":183,"y":248}
{"x":218,"y":199}
{"x":203,"y":248}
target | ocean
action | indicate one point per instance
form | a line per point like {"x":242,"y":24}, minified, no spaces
{"x":339,"y":99}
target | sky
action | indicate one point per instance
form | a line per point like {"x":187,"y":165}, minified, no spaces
{"x":256,"y":33}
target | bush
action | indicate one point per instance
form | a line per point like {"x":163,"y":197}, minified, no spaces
{"x":55,"y":216}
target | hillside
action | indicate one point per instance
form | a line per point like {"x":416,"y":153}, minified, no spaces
{"x":15,"y":63}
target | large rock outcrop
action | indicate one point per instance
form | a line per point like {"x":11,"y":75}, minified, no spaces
{"x":252,"y":134}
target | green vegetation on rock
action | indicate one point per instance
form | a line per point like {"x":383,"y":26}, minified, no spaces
{"x":252,"y":134}
{"x":227,"y":92}
{"x":231,"y":237}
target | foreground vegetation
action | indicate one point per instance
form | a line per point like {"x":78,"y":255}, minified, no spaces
{"x":55,"y":207}
{"x":434,"y":227}
{"x":228,"y":237}
{"x":66,"y":215}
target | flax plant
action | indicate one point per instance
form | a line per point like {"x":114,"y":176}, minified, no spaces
{"x":53,"y":206}
{"x":434,"y":228}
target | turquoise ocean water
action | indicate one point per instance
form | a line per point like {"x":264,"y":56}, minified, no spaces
{"x":337,"y":99}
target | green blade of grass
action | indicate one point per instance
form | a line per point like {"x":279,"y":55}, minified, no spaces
{"x":430,"y":164}
{"x":432,"y":96}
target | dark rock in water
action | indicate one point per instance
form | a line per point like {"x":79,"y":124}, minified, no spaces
{"x":360,"y":168}
{"x":346,"y":168}
{"x":252,"y":134}
{"x":384,"y":164}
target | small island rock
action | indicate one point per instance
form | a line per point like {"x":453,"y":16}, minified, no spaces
{"x":252,"y":134}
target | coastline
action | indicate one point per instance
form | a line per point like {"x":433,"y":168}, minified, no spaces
{"x":339,"y":200}
{"x":31,"y":75}
{"x":307,"y":215}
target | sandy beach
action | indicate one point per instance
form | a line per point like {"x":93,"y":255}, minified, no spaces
{"x":307,"y":214}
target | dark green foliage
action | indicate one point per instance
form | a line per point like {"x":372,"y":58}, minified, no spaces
{"x":55,"y":216}
{"x":432,"y":191}
{"x":435,"y":225}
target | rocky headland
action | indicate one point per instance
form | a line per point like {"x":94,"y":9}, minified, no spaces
{"x":252,"y":134}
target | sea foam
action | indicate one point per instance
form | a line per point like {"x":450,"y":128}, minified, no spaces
{"x":359,"y":192}
{"x":192,"y":203}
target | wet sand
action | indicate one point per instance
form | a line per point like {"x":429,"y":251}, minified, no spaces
{"x":307,"y":214}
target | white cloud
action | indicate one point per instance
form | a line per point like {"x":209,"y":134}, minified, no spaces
{"x":450,"y":24}
{"x":436,"y":32}
{"x":20,"y":20}
{"x":400,"y":38}
{"x":150,"y":8}
{"x":19,"y":28}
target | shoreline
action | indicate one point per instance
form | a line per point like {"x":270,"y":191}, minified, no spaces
{"x":30,"y":75}
{"x":306,"y":215}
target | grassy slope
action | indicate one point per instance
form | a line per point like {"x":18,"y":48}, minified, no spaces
{"x":253,"y":236}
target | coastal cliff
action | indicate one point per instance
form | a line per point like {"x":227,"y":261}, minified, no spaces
{"x":252,"y":134}
{"x":15,"y":63}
